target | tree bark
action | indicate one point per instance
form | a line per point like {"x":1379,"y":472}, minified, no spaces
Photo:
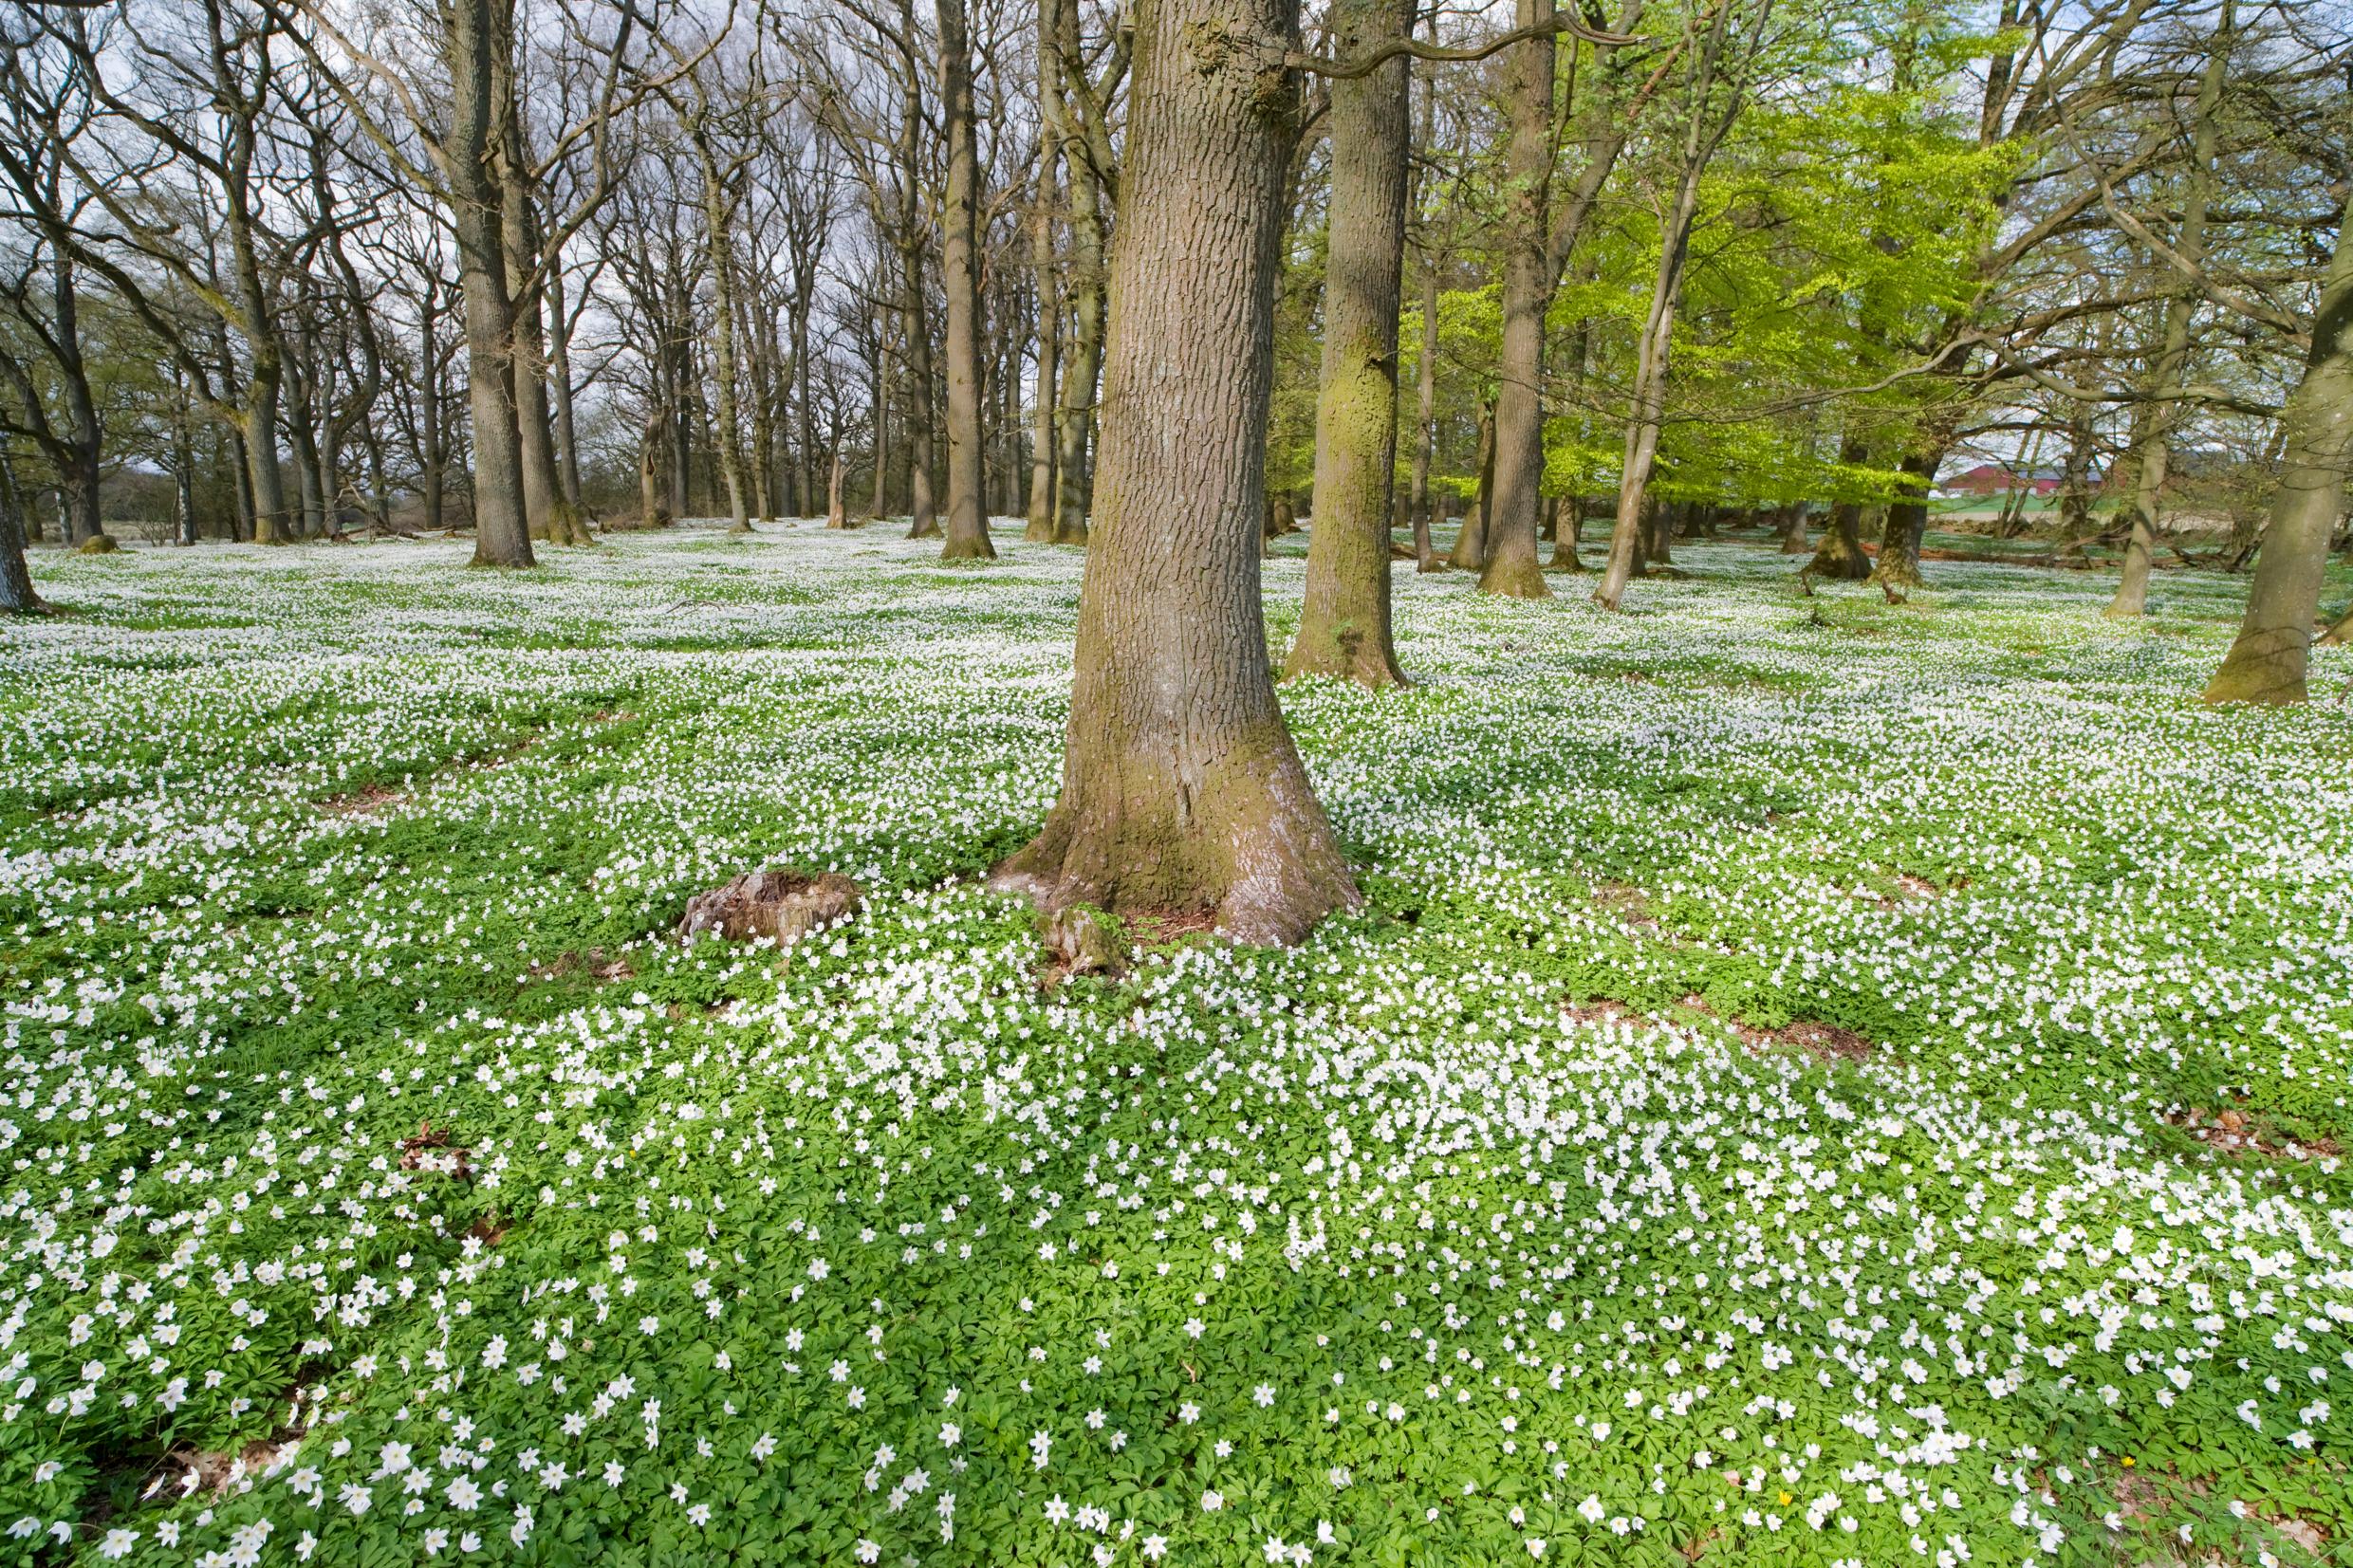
{"x":432,"y":459}
{"x":559,"y":393}
{"x":2267,"y":660}
{"x":2154,"y":452}
{"x":1344,"y":625}
{"x":479,"y":33}
{"x":1082,"y":289}
{"x":1181,"y":788}
{"x":967,"y":469}
{"x":1426,"y":558}
{"x":1041,"y":508}
{"x":1510,"y":566}
{"x":17,"y":596}
{"x":1470,"y":553}
{"x":1793,"y":517}
{"x":1897,"y":569}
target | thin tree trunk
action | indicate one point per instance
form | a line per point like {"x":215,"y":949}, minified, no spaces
{"x":878,"y":503}
{"x":559,"y":394}
{"x":651,"y":512}
{"x":2165,"y":374}
{"x":1181,"y":788}
{"x":1426,"y":558}
{"x":1793,"y":517}
{"x":1082,"y":289}
{"x":2267,"y":660}
{"x":545,"y":509}
{"x":1344,"y":625}
{"x":432,"y":459}
{"x":835,"y":517}
{"x":967,"y":469}
{"x":1650,"y":384}
{"x":1471,"y":540}
{"x":1042,"y":501}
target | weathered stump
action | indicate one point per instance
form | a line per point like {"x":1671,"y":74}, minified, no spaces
{"x":782,"y":902}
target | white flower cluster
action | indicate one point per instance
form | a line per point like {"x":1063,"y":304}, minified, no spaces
{"x":1770,"y":1099}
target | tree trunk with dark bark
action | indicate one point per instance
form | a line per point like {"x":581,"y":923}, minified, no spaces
{"x":2267,"y":660}
{"x":1181,"y":788}
{"x":1345,"y":622}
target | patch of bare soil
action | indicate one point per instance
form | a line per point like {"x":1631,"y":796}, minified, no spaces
{"x":594,"y":962}
{"x":1601,"y":1010}
{"x":367,"y":800}
{"x":1822,"y":1041}
{"x":2237,"y":1133}
{"x":1627,"y":902}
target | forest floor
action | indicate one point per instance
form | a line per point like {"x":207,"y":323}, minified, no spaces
{"x":1817,"y":1081}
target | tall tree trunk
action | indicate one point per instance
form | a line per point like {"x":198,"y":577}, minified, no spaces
{"x":78,"y":462}
{"x":559,"y":394}
{"x":2153,"y":451}
{"x":878,"y":503}
{"x":967,"y":469}
{"x":1426,"y":558}
{"x":1344,"y":623}
{"x":719,"y":256}
{"x":1181,"y":789}
{"x":804,"y":403}
{"x":480,"y":32}
{"x":183,"y":465}
{"x":835,"y":518}
{"x":652,"y":513}
{"x":1650,"y":383}
{"x":1470,"y":551}
{"x":545,"y":509}
{"x":432,"y":458}
{"x":1511,"y":568}
{"x":2267,"y":658}
{"x":1571,"y":527}
{"x":1083,"y":286}
{"x":1040,"y":509}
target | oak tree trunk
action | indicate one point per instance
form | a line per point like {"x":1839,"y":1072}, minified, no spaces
{"x":1181,"y":788}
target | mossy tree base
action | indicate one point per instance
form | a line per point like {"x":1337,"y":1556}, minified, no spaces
{"x":2264,"y":667}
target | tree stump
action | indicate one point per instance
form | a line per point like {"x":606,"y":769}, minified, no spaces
{"x":782,"y":901}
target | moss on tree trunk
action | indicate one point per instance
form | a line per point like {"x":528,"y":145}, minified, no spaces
{"x":1181,"y":789}
{"x":1344,"y":619}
